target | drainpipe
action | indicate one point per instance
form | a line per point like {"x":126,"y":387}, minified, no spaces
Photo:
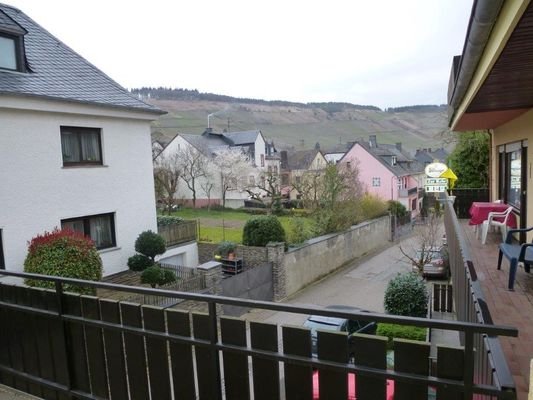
{"x":482,"y":19}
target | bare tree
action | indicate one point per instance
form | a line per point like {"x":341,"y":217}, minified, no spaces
{"x":193,"y":166}
{"x":232,"y":165}
{"x":167,"y":173}
{"x":308,"y":186}
{"x":427,"y":237}
{"x":267,"y":190}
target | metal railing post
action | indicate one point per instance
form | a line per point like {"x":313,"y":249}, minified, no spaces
{"x":66,"y":342}
{"x":213,"y":337}
{"x":469,"y":364}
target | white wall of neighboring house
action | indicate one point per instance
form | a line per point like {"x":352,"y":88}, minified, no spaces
{"x":37,"y":191}
{"x":234,"y":198}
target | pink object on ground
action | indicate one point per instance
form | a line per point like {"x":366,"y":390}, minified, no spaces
{"x":351,"y":387}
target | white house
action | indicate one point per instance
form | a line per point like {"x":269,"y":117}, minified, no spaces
{"x":209,"y":143}
{"x":75,"y":148}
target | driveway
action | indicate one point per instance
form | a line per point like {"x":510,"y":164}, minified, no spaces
{"x":360,"y":284}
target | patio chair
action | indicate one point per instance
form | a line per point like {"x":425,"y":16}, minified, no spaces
{"x":515,"y":253}
{"x":498,"y":219}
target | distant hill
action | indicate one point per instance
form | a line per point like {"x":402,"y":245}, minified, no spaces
{"x":295,"y":125}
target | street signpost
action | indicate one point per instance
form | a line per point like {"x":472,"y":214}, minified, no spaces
{"x":436,"y":185}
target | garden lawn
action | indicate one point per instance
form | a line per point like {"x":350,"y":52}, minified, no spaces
{"x":217,"y":225}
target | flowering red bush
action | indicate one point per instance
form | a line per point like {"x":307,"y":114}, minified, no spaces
{"x":63,"y":253}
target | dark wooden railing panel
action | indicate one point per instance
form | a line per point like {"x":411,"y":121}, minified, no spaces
{"x":156,"y":351}
{"x":116,"y":364}
{"x":5,"y":378}
{"x":57,"y":331}
{"x":370,"y":351}
{"x":76,"y":344}
{"x":13,"y":343}
{"x":298,"y":378}
{"x":332,"y":346}
{"x":28,"y":336}
{"x":95,"y":347}
{"x":265,"y":372}
{"x":178,"y":323}
{"x":205,"y":362}
{"x":412,"y":357}
{"x":450,"y":365}
{"x":44,"y":347}
{"x":236,"y":376}
{"x":134,"y":346}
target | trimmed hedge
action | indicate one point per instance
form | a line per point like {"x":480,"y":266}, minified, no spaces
{"x":63,"y":253}
{"x":259,"y":231}
{"x":393,"y":331}
{"x":168,"y":220}
{"x":156,"y":275}
{"x":139,"y":262}
{"x":406,"y":295}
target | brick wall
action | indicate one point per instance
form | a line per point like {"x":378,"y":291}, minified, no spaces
{"x":251,"y":256}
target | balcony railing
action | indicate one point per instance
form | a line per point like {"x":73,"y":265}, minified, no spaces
{"x":490,"y":366}
{"x":92,"y":348}
{"x":407,"y":192}
{"x":178,"y":233}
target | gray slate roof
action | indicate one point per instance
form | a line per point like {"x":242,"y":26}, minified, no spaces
{"x":405,"y":165}
{"x":427,"y":156}
{"x":207,"y":145}
{"x":57,"y":72}
{"x":301,"y":159}
{"x":243,"y":137}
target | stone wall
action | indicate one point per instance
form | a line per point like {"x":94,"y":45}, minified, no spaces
{"x":321,"y":256}
{"x":251,"y":256}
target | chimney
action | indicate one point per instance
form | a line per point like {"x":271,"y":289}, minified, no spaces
{"x":399,"y":146}
{"x":429,"y":149}
{"x":284,"y":159}
{"x":373,"y":141}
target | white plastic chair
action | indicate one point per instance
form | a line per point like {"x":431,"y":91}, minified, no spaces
{"x":501,"y":223}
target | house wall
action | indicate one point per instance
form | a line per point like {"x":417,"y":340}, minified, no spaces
{"x":514,"y":131}
{"x":369,"y":168}
{"x":38,"y":192}
{"x":184,"y":255}
{"x":260,"y":152}
{"x":234,"y":199}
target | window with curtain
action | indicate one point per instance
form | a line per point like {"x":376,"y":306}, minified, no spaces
{"x":81,"y":145}
{"x":100,"y":228}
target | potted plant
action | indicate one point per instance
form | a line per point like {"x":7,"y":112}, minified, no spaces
{"x":226,"y":249}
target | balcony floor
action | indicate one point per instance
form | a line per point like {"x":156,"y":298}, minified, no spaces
{"x":506,"y":307}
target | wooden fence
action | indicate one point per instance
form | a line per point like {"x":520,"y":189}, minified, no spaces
{"x":55,"y":346}
{"x":182,"y":232}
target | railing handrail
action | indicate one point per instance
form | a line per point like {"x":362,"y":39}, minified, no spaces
{"x":499,"y":330}
{"x":501,"y":372}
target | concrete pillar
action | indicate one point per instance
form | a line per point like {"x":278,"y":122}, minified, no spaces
{"x":276,"y":255}
{"x":212,"y":272}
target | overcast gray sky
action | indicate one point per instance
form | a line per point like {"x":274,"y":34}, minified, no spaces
{"x":380,"y":52}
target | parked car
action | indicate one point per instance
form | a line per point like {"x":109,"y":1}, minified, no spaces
{"x":436,"y":262}
{"x":349,"y":326}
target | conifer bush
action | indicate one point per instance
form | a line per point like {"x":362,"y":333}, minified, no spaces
{"x":150,"y":244}
{"x":63,"y":253}
{"x":406,"y":295}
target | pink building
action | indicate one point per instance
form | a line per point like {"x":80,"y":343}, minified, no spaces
{"x":388,"y":172}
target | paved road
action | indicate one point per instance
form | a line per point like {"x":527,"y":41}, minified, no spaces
{"x":361,"y":284}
